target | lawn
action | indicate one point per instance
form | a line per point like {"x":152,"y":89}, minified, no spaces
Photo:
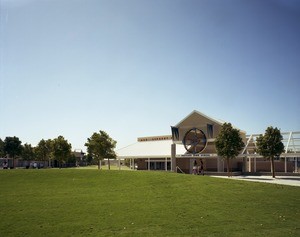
{"x":89,"y":202}
{"x":103,"y":167}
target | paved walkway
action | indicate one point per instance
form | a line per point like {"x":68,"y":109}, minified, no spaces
{"x":284,"y":180}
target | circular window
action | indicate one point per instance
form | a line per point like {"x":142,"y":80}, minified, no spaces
{"x":194,"y":141}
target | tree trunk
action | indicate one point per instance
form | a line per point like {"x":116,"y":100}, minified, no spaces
{"x":108,"y":164}
{"x":273,"y":167}
{"x":228,"y":171}
{"x":99,"y":164}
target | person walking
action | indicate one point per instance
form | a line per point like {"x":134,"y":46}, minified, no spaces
{"x":195,"y":167}
{"x":5,"y":165}
{"x":201,"y":168}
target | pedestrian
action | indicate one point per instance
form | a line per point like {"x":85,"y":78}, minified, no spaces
{"x":195,"y":167}
{"x":201,"y":167}
{"x":5,"y":165}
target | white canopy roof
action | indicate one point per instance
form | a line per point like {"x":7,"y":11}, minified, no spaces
{"x":149,"y":149}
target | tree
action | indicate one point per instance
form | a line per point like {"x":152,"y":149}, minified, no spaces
{"x":61,"y":149}
{"x":2,"y":153}
{"x":28,"y":152}
{"x":270,"y":145}
{"x":101,"y":145}
{"x":44,"y":150}
{"x":229,"y":143}
{"x":12,"y":147}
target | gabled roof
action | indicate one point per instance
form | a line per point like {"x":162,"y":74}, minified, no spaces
{"x":203,"y":115}
{"x":214,"y":120}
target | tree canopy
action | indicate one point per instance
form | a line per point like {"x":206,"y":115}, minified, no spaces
{"x":229,"y":143}
{"x":44,"y":149}
{"x":61,"y":149}
{"x":101,"y":145}
{"x":2,"y":153}
{"x":13,"y":147}
{"x":28,"y":152}
{"x":270,"y":145}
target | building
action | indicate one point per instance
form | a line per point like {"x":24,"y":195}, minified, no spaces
{"x":193,"y":142}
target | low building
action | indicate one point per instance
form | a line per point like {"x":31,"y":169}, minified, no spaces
{"x":192,"y":143}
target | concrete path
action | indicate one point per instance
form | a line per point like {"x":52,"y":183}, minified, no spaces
{"x":284,"y":180}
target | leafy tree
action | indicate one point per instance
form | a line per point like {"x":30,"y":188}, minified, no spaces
{"x":101,"y":145}
{"x":12,"y":147}
{"x":2,"y":153}
{"x":229,"y":143}
{"x":61,"y":149}
{"x":88,"y":159}
{"x":270,"y":145}
{"x":44,"y":150}
{"x":28,"y":152}
{"x":72,"y":159}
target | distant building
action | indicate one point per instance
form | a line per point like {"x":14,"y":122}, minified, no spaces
{"x":192,"y":143}
{"x":79,"y":157}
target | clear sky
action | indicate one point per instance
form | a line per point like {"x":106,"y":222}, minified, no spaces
{"x":135,"y":67}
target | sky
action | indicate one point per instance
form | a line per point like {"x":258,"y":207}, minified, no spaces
{"x":136,"y":67}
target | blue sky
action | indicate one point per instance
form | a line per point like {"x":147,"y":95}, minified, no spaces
{"x":135,"y":67}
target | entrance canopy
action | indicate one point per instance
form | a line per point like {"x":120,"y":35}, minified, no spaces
{"x":291,"y":141}
{"x":150,"y":149}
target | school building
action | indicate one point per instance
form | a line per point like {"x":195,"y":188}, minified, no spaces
{"x":192,"y":141}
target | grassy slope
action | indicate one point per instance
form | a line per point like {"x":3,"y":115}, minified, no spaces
{"x":71,"y":202}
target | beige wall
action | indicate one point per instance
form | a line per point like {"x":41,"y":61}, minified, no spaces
{"x":210,"y":164}
{"x":265,"y":166}
{"x":196,"y":120}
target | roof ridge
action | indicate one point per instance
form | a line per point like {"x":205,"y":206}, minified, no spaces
{"x":202,"y":114}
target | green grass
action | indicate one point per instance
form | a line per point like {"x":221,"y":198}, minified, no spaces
{"x":103,"y":167}
{"x":78,"y":202}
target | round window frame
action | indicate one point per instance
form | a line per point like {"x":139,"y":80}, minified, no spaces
{"x":203,"y":138}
